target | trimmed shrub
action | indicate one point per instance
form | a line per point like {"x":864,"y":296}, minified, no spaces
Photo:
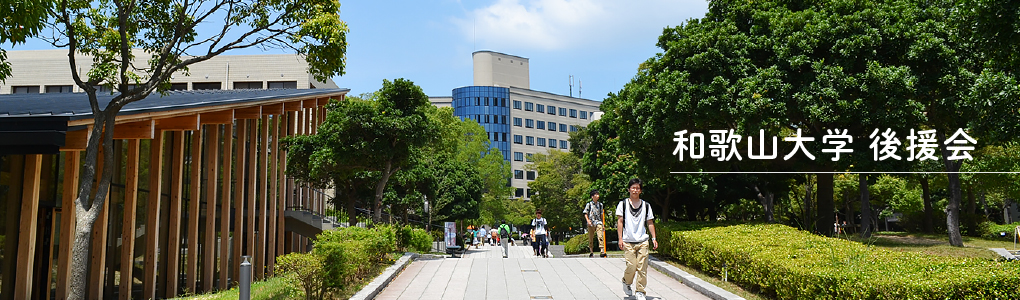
{"x":404,"y":237}
{"x":991,"y":230}
{"x":307,"y":270}
{"x":785,"y":263}
{"x":577,"y":244}
{"x":421,"y":241}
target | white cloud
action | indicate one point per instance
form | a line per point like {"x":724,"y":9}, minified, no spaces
{"x":564,"y":24}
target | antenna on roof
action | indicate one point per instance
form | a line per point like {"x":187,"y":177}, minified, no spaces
{"x":578,"y":88}
{"x":571,"y":84}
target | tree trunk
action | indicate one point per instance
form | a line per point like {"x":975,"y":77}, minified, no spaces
{"x":807,"y":200}
{"x":826,"y":209}
{"x":953,"y":209}
{"x":765,"y":198}
{"x":865,"y":206}
{"x":380,"y":187}
{"x":929,"y":227}
{"x":971,"y":203}
{"x":87,"y":210}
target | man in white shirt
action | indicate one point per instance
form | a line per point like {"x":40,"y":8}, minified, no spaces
{"x":539,"y":223}
{"x":633,"y":214}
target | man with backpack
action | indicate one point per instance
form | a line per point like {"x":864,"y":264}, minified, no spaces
{"x":504,"y":237}
{"x":633,"y":215}
{"x":539,"y":223}
{"x":593,"y":214}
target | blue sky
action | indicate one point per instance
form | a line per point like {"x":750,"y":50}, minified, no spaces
{"x":599,"y":42}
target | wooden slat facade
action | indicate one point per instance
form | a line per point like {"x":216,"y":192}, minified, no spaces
{"x":225,"y":197}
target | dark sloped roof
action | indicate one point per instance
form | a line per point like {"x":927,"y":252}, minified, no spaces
{"x":75,"y":106}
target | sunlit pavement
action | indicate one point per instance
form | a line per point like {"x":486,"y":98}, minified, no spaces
{"x":485,"y":274}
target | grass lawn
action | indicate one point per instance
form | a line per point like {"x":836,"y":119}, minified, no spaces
{"x":276,"y":288}
{"x":934,"y":244}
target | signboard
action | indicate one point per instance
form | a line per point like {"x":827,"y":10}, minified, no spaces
{"x":451,"y":234}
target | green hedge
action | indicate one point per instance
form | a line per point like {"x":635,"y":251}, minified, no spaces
{"x":577,"y":244}
{"x":992,"y":230}
{"x":785,"y":263}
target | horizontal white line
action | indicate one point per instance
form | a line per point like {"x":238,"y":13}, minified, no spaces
{"x":808,"y":172}
{"x":845,"y":172}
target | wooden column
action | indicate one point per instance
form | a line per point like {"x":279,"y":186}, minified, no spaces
{"x":284,"y":192}
{"x":72,"y":169}
{"x":225,"y":196}
{"x":239,"y":193}
{"x":174,"y":231}
{"x":194,"y":205}
{"x":127,"y":236}
{"x":260,"y":248}
{"x":274,"y":197}
{"x":29,"y":224}
{"x":152,"y":224}
{"x":250,"y":214}
{"x":209,"y":245}
{"x":97,"y":262}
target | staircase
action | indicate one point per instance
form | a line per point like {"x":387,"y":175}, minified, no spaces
{"x":307,"y":223}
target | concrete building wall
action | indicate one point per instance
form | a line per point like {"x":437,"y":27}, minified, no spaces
{"x":43,"y":68}
{"x":499,"y":69}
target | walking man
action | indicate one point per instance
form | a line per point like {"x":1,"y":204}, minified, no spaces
{"x":504,"y":237}
{"x":540,"y":233}
{"x":593,"y":213}
{"x":633,"y":215}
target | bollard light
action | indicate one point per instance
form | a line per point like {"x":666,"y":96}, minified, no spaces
{"x":244,"y":282}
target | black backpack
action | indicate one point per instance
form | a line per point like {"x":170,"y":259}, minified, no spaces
{"x":503,"y":230}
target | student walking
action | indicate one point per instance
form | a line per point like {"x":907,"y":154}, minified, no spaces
{"x":633,"y":215}
{"x":540,"y":233}
{"x":593,"y":213}
{"x":504,"y":237}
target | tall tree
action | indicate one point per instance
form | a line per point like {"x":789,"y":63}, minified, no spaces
{"x":561,"y":189}
{"x":359,"y":136}
{"x":136,"y":46}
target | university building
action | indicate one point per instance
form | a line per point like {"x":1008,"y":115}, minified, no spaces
{"x":520,"y":121}
{"x":199,"y":183}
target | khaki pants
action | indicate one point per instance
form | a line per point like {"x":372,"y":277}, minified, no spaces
{"x":637,"y":262}
{"x":600,"y":232}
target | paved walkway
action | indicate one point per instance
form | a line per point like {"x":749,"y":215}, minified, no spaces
{"x":484,"y":274}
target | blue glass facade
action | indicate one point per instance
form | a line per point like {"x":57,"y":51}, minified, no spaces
{"x":490,"y":107}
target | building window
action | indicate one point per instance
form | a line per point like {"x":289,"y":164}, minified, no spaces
{"x":517,"y":122}
{"x":283,"y":84}
{"x":519,"y":193}
{"x":573,"y":128}
{"x":478,"y":101}
{"x":531,"y":175}
{"x":552,"y":126}
{"x":504,"y":119}
{"x":179,"y":86}
{"x":584,"y":115}
{"x":563,"y":111}
{"x":518,"y":174}
{"x":248,"y":85}
{"x":518,"y":156}
{"x":573,"y":113}
{"x":563,"y":145}
{"x":486,"y":118}
{"x":206,"y":86}
{"x":58,"y":89}
{"x":541,"y":125}
{"x":504,"y":137}
{"x":530,"y":140}
{"x":528,"y":106}
{"x":517,"y":104}
{"x":541,"y":142}
{"x":493,"y":136}
{"x":32,"y":89}
{"x":551,"y":109}
{"x":486,"y":101}
{"x":563,"y":127}
{"x":529,"y":157}
{"x":540,"y":108}
{"x":552,"y":143}
{"x":529,"y":123}
{"x":531,"y":193}
{"x":518,"y":139}
{"x":504,"y":102}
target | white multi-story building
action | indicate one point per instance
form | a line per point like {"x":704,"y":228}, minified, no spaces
{"x":48,"y":71}
{"x":520,"y":121}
